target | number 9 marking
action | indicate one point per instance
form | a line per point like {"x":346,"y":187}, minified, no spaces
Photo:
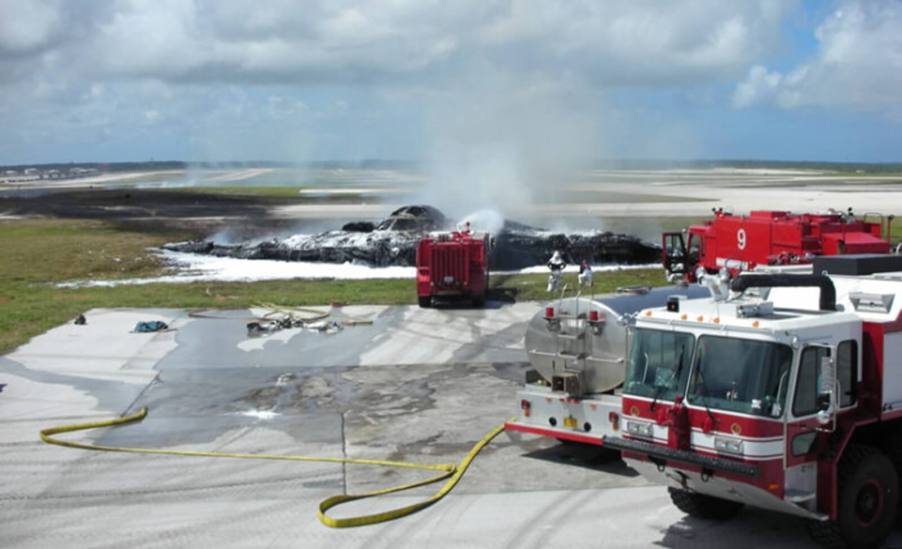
{"x":740,"y":239}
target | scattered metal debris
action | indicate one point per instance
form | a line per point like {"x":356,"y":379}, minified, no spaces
{"x":284,"y":318}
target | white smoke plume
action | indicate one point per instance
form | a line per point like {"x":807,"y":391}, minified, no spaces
{"x":507,"y":143}
{"x":489,"y":221}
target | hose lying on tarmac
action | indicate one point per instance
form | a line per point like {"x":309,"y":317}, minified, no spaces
{"x":452,"y":472}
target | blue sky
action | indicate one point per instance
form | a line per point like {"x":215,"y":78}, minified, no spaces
{"x":438,"y":82}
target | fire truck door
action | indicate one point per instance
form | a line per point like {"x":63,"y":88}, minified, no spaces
{"x":694,"y":250}
{"x":674,"y":250}
{"x":803,"y":433}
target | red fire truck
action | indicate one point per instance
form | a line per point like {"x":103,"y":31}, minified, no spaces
{"x":453,"y":265}
{"x":741,"y":242}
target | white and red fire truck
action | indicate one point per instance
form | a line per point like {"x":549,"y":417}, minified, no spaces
{"x":781,"y":391}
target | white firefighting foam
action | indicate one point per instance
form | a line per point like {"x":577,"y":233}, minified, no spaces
{"x":204,"y":268}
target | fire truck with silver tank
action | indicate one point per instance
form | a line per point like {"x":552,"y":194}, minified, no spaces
{"x":577,"y":347}
{"x":782,"y":392}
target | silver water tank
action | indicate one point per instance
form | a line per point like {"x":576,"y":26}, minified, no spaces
{"x":580,"y":355}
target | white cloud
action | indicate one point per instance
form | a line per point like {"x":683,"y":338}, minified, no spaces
{"x":763,"y":86}
{"x":26,"y":26}
{"x":375,"y":76}
{"x":616,"y":42}
{"x":641,"y":42}
{"x":858,"y":65}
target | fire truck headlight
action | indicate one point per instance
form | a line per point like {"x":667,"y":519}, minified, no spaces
{"x":728,"y":445}
{"x":640,"y":429}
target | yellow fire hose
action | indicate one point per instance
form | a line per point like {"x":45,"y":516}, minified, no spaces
{"x":448,"y":471}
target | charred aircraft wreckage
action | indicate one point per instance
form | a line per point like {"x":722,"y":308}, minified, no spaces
{"x":393,"y":241}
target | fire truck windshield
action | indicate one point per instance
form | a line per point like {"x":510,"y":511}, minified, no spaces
{"x":740,"y":375}
{"x":658,"y":364}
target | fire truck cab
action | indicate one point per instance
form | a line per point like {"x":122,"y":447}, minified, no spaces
{"x":782,"y":391}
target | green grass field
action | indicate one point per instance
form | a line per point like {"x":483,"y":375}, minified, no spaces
{"x":38,"y":254}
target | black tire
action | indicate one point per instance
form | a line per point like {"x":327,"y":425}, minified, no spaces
{"x":702,"y":506}
{"x":893,"y":449}
{"x":425,"y":302}
{"x":479,"y":301}
{"x":868,"y":501}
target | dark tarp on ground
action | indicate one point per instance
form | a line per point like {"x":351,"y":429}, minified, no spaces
{"x":150,"y":326}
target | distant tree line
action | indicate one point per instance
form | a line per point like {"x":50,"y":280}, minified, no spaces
{"x":159,"y":165}
{"x":370,"y":164}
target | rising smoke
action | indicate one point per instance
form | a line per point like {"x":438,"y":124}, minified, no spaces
{"x":507,"y":143}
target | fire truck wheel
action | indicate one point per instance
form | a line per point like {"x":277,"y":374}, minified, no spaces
{"x":702,"y":506}
{"x":479,"y":301}
{"x":868,"y":498}
{"x":425,"y":302}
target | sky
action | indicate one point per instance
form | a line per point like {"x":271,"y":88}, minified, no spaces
{"x":470,"y":82}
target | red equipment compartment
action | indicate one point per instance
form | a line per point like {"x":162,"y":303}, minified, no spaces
{"x":452,"y":264}
{"x":740,"y":242}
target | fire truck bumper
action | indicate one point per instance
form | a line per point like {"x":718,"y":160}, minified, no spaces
{"x":695,"y":473}
{"x":662,"y":454}
{"x":450,"y":292}
{"x":556,"y":415}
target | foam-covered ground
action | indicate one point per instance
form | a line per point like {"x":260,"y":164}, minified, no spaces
{"x":204,"y":268}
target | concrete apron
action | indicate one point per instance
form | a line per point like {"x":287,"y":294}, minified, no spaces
{"x":419,"y":385}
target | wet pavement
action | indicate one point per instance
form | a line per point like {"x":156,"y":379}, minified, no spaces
{"x":418,"y":385}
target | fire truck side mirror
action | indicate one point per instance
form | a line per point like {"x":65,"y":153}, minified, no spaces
{"x":825,"y":397}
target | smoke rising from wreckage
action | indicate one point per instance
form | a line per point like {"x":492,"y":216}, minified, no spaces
{"x":393,"y":241}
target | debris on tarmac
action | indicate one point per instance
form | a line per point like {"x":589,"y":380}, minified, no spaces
{"x":284,"y":318}
{"x":149,"y":326}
